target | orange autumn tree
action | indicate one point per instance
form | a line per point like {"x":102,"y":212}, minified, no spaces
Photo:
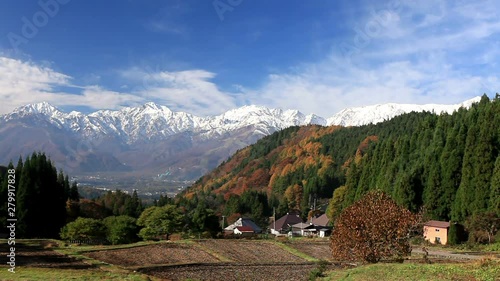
{"x":373,"y":228}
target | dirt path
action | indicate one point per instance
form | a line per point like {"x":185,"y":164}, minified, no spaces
{"x":448,"y":255}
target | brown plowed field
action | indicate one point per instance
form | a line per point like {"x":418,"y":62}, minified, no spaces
{"x":230,"y":272}
{"x":165,"y":253}
{"x":244,"y":251}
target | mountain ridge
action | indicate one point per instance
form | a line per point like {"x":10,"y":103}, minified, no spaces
{"x":152,"y":138}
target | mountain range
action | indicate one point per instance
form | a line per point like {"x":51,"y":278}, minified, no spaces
{"x":152,"y":139}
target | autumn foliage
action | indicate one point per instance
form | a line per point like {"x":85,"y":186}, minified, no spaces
{"x":373,"y":228}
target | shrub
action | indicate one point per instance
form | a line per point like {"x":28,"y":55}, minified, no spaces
{"x":373,"y":228}
{"x":121,"y":229}
{"x":83,"y":229}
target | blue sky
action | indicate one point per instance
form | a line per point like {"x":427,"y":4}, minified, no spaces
{"x":205,"y":57}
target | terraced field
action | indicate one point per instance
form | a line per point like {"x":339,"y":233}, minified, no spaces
{"x":232,"y":271}
{"x":212,"y":260}
{"x":244,"y":251}
{"x":159,"y":254}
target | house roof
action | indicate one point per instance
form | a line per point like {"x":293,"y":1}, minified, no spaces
{"x":439,"y":224}
{"x":322,"y":220}
{"x":244,"y":228}
{"x":285,"y":221}
{"x":302,"y":225}
{"x":244,"y":222}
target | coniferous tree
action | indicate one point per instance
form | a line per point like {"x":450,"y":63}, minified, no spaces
{"x":495,"y":188}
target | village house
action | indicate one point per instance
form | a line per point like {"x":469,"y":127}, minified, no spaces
{"x":436,"y":232}
{"x":284,"y":224}
{"x":324,"y":232}
{"x":242,"y":222}
{"x":244,"y":231}
{"x":303,"y":229}
{"x":322,"y":220}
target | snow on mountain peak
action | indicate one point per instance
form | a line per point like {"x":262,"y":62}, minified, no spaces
{"x":358,"y":116}
{"x":153,"y":121}
{"x":37,"y":108}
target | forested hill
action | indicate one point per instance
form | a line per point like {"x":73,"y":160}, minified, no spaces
{"x":447,"y":163}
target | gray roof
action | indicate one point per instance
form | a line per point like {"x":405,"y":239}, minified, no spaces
{"x":322,"y":220}
{"x":244,"y":222}
{"x":285,"y":221}
{"x":302,"y":225}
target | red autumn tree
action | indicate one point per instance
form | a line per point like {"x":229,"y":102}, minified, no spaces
{"x":373,"y":228}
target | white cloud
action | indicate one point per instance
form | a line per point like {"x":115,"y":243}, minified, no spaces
{"x":190,"y":91}
{"x":22,"y":83}
{"x":166,"y":27}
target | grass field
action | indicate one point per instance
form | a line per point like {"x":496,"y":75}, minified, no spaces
{"x":485,"y":270}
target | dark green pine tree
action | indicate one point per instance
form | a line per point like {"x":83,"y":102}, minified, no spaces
{"x":451,"y":166}
{"x":27,"y":194}
{"x":73,"y":190}
{"x":41,"y":199}
{"x":434,"y":191}
{"x":386,"y":170}
{"x":484,"y":158}
{"x":462,"y":207}
{"x":352,"y":185}
{"x":56,"y":194}
{"x":63,"y":180}
{"x":494,"y":203}
{"x":137,"y":204}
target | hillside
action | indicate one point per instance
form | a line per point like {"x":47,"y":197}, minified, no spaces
{"x":447,"y":163}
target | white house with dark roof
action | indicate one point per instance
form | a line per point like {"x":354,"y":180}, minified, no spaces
{"x":243,"y":222}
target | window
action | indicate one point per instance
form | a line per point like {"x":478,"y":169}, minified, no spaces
{"x":437,"y":230}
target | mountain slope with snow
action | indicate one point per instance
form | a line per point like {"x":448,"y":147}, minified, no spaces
{"x":358,"y":116}
{"x":151,"y":138}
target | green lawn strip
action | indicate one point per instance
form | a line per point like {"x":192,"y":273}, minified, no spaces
{"x":209,"y":251}
{"x":493,"y":248}
{"x":97,"y":248}
{"x":295,"y":252}
{"x":482,"y":271}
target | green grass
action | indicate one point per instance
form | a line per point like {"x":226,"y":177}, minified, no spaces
{"x":34,"y":273}
{"x":93,"y":248}
{"x":295,"y":252}
{"x":210,"y":251}
{"x":486,"y":270}
{"x":464,"y":247}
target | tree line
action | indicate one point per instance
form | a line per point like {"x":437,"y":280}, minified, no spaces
{"x":40,"y":198}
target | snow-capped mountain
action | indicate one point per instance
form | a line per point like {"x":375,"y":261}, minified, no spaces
{"x":152,"y":138}
{"x":154,"y":122}
{"x":358,"y":116}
